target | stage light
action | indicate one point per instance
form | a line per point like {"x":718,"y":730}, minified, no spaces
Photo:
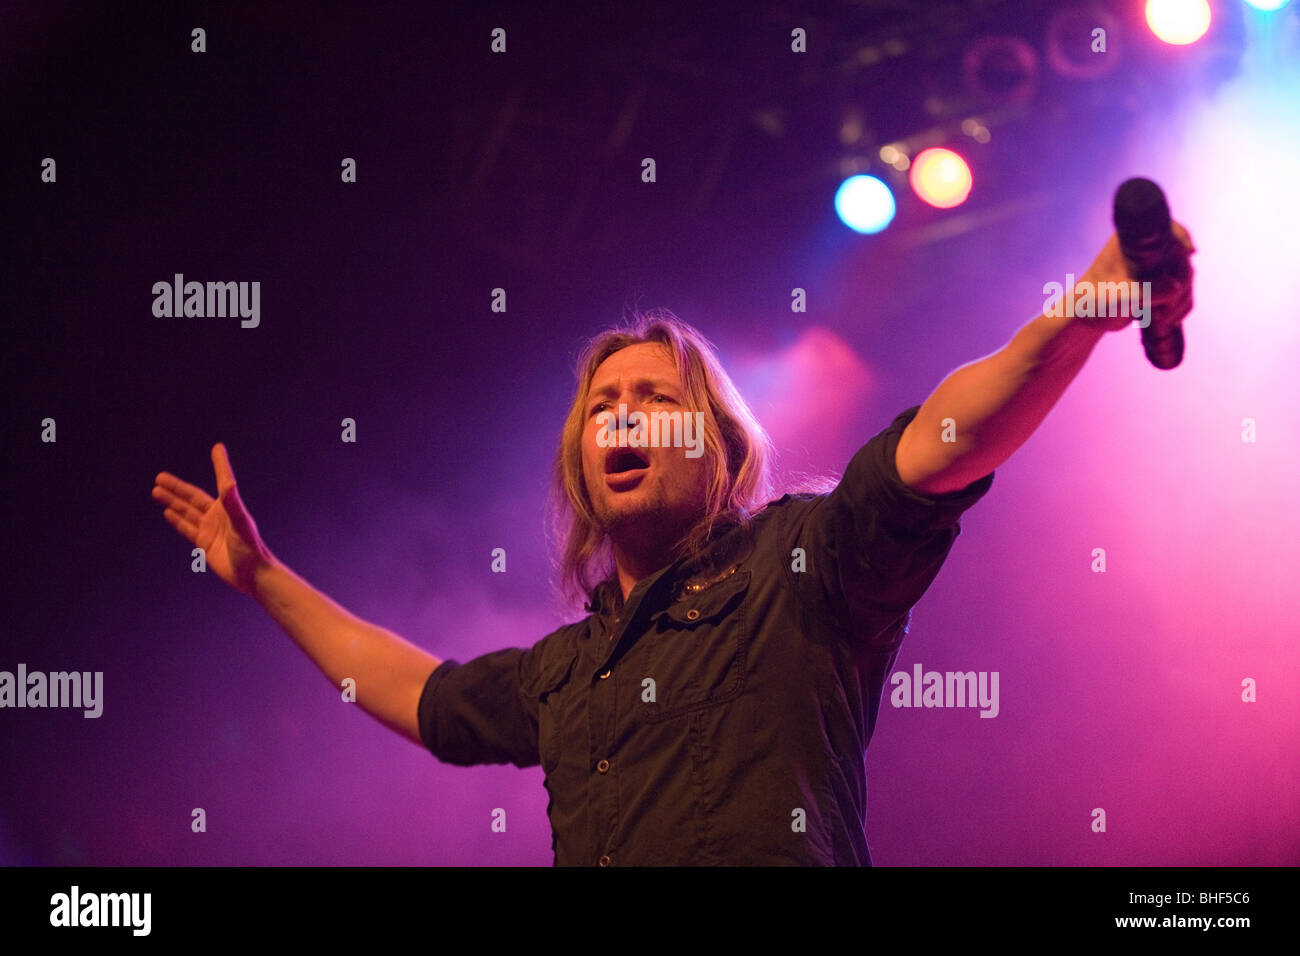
{"x":940,"y":177}
{"x":1072,"y":38}
{"x":1000,"y":69}
{"x":1268,"y":6}
{"x":894,"y":156}
{"x":1178,"y":21}
{"x":865,"y":204}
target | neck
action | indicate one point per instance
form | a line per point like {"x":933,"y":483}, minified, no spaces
{"x":637,"y":560}
{"x":642,"y":548}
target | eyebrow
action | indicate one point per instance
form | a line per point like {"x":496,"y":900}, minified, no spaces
{"x":641,"y":384}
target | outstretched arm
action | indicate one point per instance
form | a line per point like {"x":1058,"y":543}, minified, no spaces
{"x":996,"y":402}
{"x":390,"y":672}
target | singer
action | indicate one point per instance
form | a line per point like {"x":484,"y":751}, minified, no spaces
{"x":715,"y":704}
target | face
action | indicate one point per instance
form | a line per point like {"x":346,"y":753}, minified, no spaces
{"x":650,"y":492}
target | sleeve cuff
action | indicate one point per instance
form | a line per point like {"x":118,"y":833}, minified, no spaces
{"x":427,"y":713}
{"x":904,"y":506}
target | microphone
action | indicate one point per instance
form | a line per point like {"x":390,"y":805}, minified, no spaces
{"x":1146,"y":238}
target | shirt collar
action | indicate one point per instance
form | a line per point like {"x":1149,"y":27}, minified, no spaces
{"x":729,"y":544}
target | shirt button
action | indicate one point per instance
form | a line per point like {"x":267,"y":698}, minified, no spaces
{"x":606,"y":674}
{"x":603,"y":766}
{"x":605,"y":861}
{"x":693,"y":614}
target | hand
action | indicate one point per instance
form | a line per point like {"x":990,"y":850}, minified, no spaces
{"x":1171,"y":295}
{"x":221,"y":526}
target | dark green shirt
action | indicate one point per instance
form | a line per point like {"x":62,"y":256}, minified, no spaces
{"x":723,"y":714}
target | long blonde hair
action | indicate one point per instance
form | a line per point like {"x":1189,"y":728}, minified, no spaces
{"x":737,"y":452}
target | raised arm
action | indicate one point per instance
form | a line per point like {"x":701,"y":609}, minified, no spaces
{"x":997,"y":402}
{"x":390,"y":672}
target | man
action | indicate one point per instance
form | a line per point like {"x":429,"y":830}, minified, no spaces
{"x":715,"y":705}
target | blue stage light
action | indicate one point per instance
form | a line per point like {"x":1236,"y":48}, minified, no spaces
{"x":865,"y":204}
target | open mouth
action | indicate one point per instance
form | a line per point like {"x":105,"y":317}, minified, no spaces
{"x":620,"y":461}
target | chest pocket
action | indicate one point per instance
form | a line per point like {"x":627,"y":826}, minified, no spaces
{"x":553,"y":706}
{"x":696,"y":648}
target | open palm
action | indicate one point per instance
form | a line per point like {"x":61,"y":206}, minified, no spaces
{"x":221,"y":526}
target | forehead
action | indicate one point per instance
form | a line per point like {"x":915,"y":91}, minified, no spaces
{"x":644,"y":360}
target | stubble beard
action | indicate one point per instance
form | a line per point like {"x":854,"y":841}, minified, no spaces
{"x":653,"y":524}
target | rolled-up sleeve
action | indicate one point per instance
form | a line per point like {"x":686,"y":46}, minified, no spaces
{"x":873,"y":545}
{"x":482,"y":711}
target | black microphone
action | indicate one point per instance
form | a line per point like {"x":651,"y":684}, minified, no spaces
{"x":1146,"y":238}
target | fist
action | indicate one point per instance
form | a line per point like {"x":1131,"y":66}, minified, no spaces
{"x":1170,"y":298}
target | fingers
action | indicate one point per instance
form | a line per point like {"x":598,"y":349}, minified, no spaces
{"x":1183,"y":308}
{"x":221,"y":464}
{"x":1171,"y":294}
{"x":182,"y":490}
{"x":1175,"y":305}
{"x":1168,"y":290}
{"x":183,"y":508}
{"x":183,"y":504}
{"x":187,"y":528}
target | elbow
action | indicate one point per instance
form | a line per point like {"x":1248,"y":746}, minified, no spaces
{"x":945,"y":482}
{"x":935,"y":474}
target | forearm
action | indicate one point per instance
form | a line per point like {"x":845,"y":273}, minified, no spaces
{"x":995,"y":403}
{"x":390,"y":672}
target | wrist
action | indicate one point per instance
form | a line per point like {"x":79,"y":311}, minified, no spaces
{"x":263,"y":571}
{"x":1064,"y":338}
{"x":1101,"y":302}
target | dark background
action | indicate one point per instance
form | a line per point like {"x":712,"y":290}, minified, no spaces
{"x":522,"y":171}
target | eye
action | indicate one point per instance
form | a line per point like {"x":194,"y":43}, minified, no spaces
{"x":600,"y":406}
{"x":666,"y":398}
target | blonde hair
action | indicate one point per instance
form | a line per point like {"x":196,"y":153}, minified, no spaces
{"x":737,"y":453}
